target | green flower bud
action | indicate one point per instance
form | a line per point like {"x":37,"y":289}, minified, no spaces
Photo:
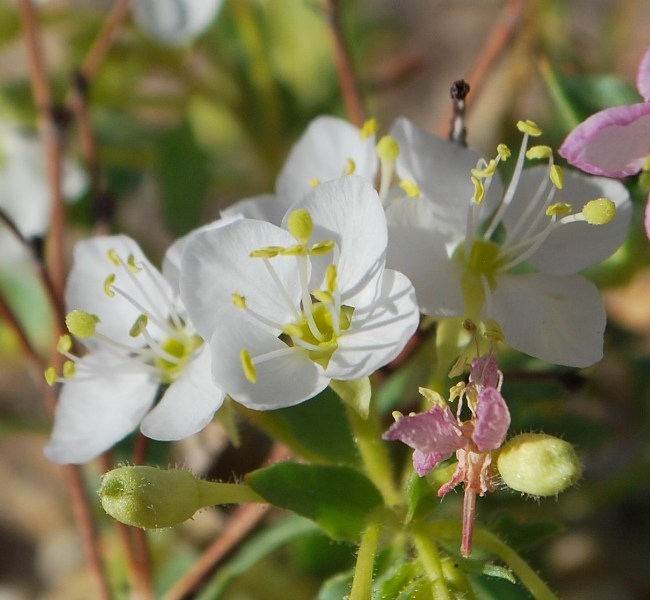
{"x":151,"y":498}
{"x":538,"y":464}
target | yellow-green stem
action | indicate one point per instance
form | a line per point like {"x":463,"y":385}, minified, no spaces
{"x":212,"y":493}
{"x":490,"y":542}
{"x":375,"y":456}
{"x":363,"y":570}
{"x":427,"y":549}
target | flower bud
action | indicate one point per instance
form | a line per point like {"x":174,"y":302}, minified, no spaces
{"x":151,"y":498}
{"x":538,"y":464}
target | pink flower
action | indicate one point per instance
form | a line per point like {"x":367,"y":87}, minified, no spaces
{"x":436,"y":434}
{"x":614,"y":142}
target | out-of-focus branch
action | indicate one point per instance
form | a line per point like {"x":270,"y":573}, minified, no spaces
{"x":347,"y":78}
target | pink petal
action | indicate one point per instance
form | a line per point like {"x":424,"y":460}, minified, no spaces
{"x":643,"y":76}
{"x":423,"y":463}
{"x":485,"y":371}
{"x":433,"y":432}
{"x":614,"y":142}
{"x":492,"y":420}
{"x":647,"y":218}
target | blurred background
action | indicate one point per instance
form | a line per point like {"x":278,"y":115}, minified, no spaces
{"x":183,"y":130}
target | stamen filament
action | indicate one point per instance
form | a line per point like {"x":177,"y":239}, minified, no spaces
{"x":306,"y":297}
{"x":163,"y":324}
{"x":283,"y":291}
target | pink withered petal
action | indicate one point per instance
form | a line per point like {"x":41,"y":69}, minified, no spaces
{"x":485,"y":371}
{"x":423,"y":463}
{"x":492,"y":420}
{"x":614,"y":142}
{"x":643,"y":76}
{"x":433,"y":432}
{"x":647,"y":219}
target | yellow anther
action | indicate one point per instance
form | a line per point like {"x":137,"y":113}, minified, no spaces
{"x":539,"y":152}
{"x":51,"y":376}
{"x":69,"y":369}
{"x":370,"y":127}
{"x":479,"y":190}
{"x":238,"y":300}
{"x":559,"y":209}
{"x":139,"y":326}
{"x":503,"y":151}
{"x":411,"y":188}
{"x":432,"y":396}
{"x":81,"y":323}
{"x":300,"y":225}
{"x":108,"y":285}
{"x":323,"y":296}
{"x":397,"y":415}
{"x":113,"y":257}
{"x":350,"y":166}
{"x":529,"y":127}
{"x":388,"y":148}
{"x":267,"y":252}
{"x":599,"y":211}
{"x":295,"y":250}
{"x":331,"y":277}
{"x":456,"y":390}
{"x":64,"y":344}
{"x":557,"y":176}
{"x":314,"y":182}
{"x":487,"y":171}
{"x":322,"y":248}
{"x":133,"y":267}
{"x":248,"y":366}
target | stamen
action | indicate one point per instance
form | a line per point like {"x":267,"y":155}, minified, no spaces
{"x":411,"y":188}
{"x":131,"y":264}
{"x":557,"y":176}
{"x":162,"y":323}
{"x":280,"y":287}
{"x":238,"y":300}
{"x":599,"y":212}
{"x":388,"y":151}
{"x":529,"y":128}
{"x":539,"y":152}
{"x":322,"y":248}
{"x":81,"y":324}
{"x":350,"y":166}
{"x":370,"y":127}
{"x":306,"y":298}
{"x":108,"y":285}
{"x":314,"y":182}
{"x":69,"y":369}
{"x":139,"y":326}
{"x":267,"y":252}
{"x":51,"y":376}
{"x":248,"y":366}
{"x":113,"y":257}
{"x":300,"y":225}
{"x":64,"y":344}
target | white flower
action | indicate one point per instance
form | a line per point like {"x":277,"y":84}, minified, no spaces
{"x":173,"y":22}
{"x":288,"y":309}
{"x":24,"y":188}
{"x":138,"y":338}
{"x":519,"y":266}
{"x":329,"y":149}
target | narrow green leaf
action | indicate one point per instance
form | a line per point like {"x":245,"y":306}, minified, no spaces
{"x":420,"y":496}
{"x":339,"y":499}
{"x":336,"y":587}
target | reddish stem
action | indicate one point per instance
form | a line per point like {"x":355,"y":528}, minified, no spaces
{"x":469,"y":516}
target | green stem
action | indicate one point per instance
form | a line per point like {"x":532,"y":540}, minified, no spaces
{"x":363,"y":570}
{"x":490,"y":542}
{"x":428,"y":552}
{"x":374,"y":454}
{"x":212,"y":492}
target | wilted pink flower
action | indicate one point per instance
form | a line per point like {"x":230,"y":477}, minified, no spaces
{"x":436,"y":434}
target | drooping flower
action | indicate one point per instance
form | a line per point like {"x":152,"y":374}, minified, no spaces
{"x":329,"y":148}
{"x":287,"y":309}
{"x":614,"y":142}
{"x":174,"y":22}
{"x":516,"y":263}
{"x":438,"y":433}
{"x":140,"y":346}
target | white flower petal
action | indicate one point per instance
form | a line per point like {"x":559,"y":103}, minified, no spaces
{"x":322,"y":153}
{"x":378,"y":335}
{"x":93,"y":414}
{"x":576,"y":246}
{"x":416,"y":248}
{"x":266,"y":207}
{"x":216,"y":264}
{"x":285,"y":380}
{"x":441,"y":169}
{"x":188,"y":405}
{"x":175,"y":21}
{"x":85,"y":287}
{"x":558,"y":319}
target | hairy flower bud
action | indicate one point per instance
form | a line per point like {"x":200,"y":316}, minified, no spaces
{"x":539,"y":464}
{"x":151,"y":498}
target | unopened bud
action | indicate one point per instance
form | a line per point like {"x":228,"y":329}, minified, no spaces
{"x":151,"y":498}
{"x":539,"y":464}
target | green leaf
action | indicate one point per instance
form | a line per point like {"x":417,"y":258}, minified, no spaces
{"x":336,"y":587}
{"x":339,"y":499}
{"x":258,"y":548}
{"x":317,"y":430}
{"x":421,"y":497}
{"x":356,"y":393}
{"x":521,"y":535}
{"x":405,"y":578}
{"x":184,"y":178}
